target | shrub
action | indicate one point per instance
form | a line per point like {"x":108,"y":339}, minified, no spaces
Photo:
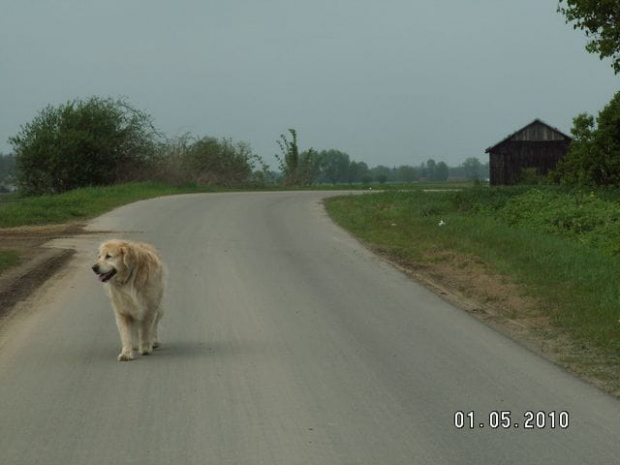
{"x":584,"y":217}
{"x":481,"y":199}
{"x":82,"y":143}
{"x":206,"y":161}
{"x":220,"y":162}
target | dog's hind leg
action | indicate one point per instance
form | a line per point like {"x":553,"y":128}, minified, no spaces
{"x":135,"y":336}
{"x":145,"y":330}
{"x":154,"y":336}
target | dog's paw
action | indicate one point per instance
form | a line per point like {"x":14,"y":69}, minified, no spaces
{"x":125,"y":357}
{"x":156,"y":345}
{"x":146,"y":349}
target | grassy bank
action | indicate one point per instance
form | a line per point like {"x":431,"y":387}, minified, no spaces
{"x":8,"y":258}
{"x":89,"y":202}
{"x":81,"y":203}
{"x":556,"y":254}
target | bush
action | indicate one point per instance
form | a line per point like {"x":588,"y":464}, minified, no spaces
{"x":220,"y":162}
{"x":206,"y":161}
{"x":584,"y":217}
{"x":481,"y":199}
{"x":83,"y":143}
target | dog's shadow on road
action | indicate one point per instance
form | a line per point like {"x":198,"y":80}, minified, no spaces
{"x":206,"y":349}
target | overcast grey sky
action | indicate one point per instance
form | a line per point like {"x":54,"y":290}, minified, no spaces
{"x":389,"y":82}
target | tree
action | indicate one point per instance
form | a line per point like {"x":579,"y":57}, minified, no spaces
{"x":431,"y":166}
{"x":7,"y":167}
{"x":441,"y":172}
{"x":406,"y":173}
{"x":601,"y":21}
{"x":83,"y":143}
{"x":472,"y":169}
{"x":299,"y":169}
{"x":358,"y":171}
{"x":309,"y":167}
{"x":433,"y":171}
{"x":381,"y":174}
{"x":593,"y":158}
{"x":334,"y":166}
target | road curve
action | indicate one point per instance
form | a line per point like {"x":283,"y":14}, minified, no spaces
{"x":284,"y":342}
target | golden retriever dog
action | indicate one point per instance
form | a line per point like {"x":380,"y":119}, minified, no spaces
{"x":133,"y":274}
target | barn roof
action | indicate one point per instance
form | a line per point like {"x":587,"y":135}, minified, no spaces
{"x":524,"y":129}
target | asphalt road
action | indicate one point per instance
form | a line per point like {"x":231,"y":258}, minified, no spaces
{"x":285,"y":342}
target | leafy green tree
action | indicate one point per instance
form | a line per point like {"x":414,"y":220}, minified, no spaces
{"x":299,"y":169}
{"x":289,"y":160}
{"x":381,"y":174}
{"x":431,"y":166}
{"x":441,"y":172}
{"x":7,"y":167}
{"x":310,"y":167}
{"x":406,"y":173}
{"x":366,"y":179}
{"x":594,"y":154}
{"x":357,"y":172}
{"x":433,"y":171}
{"x":335,"y":166}
{"x":83,"y":143}
{"x":472,"y":168}
{"x":600,"y":19}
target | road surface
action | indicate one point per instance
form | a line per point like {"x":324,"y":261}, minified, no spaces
{"x":285,"y":342}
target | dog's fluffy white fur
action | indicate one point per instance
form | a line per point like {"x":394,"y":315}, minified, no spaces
{"x":133,"y":274}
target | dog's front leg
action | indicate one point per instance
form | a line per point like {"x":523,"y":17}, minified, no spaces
{"x":124,"y":324}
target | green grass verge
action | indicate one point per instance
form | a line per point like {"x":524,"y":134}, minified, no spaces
{"x":81,"y":203}
{"x":85,"y":203}
{"x":8,"y":258}
{"x":574,"y":282}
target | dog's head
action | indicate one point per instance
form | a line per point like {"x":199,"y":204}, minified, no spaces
{"x":113,"y":261}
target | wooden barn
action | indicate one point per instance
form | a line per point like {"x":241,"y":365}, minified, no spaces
{"x":537,"y":146}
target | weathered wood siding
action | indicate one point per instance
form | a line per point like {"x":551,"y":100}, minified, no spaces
{"x":537,"y":132}
{"x":537,"y":146}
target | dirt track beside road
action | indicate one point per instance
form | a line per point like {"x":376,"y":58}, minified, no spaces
{"x":36,"y":262}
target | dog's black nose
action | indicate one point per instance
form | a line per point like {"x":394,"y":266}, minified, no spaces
{"x":96,"y":268}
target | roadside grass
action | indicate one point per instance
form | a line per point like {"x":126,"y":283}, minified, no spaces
{"x":82,"y":203}
{"x":573,"y":281}
{"x":88,"y":202}
{"x":8,"y":258}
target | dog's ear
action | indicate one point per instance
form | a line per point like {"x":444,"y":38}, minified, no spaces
{"x":127,"y":255}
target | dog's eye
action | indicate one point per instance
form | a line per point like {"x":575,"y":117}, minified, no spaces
{"x":108,"y":256}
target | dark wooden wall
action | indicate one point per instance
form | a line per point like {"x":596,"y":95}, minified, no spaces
{"x":508,"y":159}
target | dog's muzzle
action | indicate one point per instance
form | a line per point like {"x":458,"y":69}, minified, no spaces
{"x":103,"y":277}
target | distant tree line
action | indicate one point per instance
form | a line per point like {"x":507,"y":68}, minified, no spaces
{"x":7,"y":168}
{"x":336,"y":167}
{"x":7,"y":172}
{"x":100,"y":141}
